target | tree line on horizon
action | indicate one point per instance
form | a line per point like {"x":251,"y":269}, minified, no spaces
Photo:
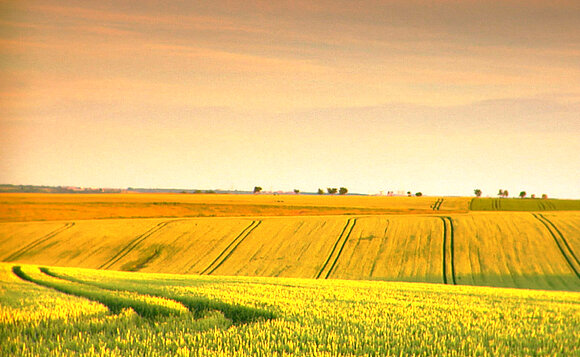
{"x":505,"y":193}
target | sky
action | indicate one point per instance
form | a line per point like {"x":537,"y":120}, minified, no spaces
{"x":440,"y":97}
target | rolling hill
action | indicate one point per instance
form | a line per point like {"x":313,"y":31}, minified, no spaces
{"x":507,"y":249}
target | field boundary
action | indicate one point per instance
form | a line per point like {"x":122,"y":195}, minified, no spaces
{"x":342,"y":237}
{"x":20,"y":252}
{"x":227,"y":252}
{"x":561,"y":242}
{"x":448,"y":251}
{"x":134,"y":243}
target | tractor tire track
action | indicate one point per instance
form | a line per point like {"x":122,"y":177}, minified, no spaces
{"x":448,"y":252}
{"x":561,"y":242}
{"x":344,"y":235}
{"x":227,"y":252}
{"x":20,"y":252}
{"x":112,"y":299}
{"x":129,"y":247}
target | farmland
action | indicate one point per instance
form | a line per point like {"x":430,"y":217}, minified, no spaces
{"x":265,"y":275}
{"x":528,"y":204}
{"x":451,"y":246}
{"x":206,"y":315}
{"x":51,"y":207}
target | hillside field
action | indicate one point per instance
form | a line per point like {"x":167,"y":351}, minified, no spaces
{"x":446,"y":245}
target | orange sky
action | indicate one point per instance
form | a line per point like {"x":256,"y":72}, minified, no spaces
{"x":433,"y":96}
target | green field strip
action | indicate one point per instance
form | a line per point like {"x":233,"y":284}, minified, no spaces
{"x":115,"y":303}
{"x":341,"y":238}
{"x":129,"y":247}
{"x":448,"y":252}
{"x":523,"y":204}
{"x":198,"y":305}
{"x":22,"y":251}
{"x":227,"y":252}
{"x":562,"y":244}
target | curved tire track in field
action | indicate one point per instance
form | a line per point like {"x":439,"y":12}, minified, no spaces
{"x":115,"y":303}
{"x":227,"y":252}
{"x":129,"y":247}
{"x":448,"y":251}
{"x":334,"y":254}
{"x":198,"y":305}
{"x":20,"y":252}
{"x":561,"y":242}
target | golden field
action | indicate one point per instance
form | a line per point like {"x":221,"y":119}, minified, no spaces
{"x":284,"y":275}
{"x":414,"y":243}
{"x":50,"y":207}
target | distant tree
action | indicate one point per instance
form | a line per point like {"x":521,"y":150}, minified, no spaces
{"x":506,"y":193}
{"x":544,"y":196}
{"x":477,"y":192}
{"x":409,"y":193}
{"x":320,"y":192}
{"x":419,"y":194}
{"x":257,"y":189}
{"x":522,"y":194}
{"x":296,"y":191}
{"x":500,"y":193}
{"x":533,"y":196}
{"x":343,"y":191}
{"x":331,"y":190}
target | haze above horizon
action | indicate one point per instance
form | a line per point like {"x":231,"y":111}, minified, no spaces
{"x":440,"y":97}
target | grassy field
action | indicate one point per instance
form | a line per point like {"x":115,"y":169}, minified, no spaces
{"x":526,"y":204}
{"x":71,"y":311}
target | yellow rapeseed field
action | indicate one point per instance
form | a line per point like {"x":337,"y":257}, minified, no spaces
{"x":71,"y":311}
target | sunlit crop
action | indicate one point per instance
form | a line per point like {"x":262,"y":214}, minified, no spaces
{"x":282,"y":316}
{"x":508,"y":249}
